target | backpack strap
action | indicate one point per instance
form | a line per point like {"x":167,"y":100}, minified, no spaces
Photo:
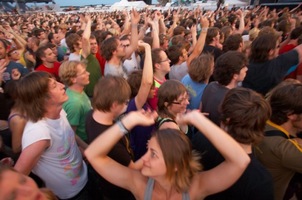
{"x":276,"y":133}
{"x":160,"y":121}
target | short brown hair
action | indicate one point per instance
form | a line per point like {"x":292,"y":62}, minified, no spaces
{"x":72,"y":40}
{"x":168,"y":92}
{"x":201,"y":67}
{"x":285,"y":100}
{"x":156,"y":56}
{"x":245,"y":112}
{"x":108,"y":46}
{"x":212,"y":32}
{"x":105,"y":94}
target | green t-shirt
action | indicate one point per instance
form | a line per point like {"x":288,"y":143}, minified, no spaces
{"x":77,"y":107}
{"x":93,"y":67}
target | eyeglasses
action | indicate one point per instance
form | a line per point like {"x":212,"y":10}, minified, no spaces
{"x":165,"y":60}
{"x":182,"y":101}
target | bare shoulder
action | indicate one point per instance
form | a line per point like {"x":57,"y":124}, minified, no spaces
{"x":139,"y":186}
{"x":197,"y":190}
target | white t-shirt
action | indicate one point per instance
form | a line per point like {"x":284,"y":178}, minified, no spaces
{"x":115,"y":70}
{"x":75,"y":57}
{"x":61,"y":166}
{"x":132,"y":64}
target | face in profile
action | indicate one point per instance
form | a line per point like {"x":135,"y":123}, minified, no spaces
{"x":153,"y":160}
{"x":16,"y":186}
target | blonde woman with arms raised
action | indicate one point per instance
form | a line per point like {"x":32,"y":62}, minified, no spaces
{"x":170,"y":169}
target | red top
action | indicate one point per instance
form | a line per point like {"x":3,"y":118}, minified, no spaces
{"x":54,"y":70}
{"x":101,"y":60}
{"x":298,"y":71}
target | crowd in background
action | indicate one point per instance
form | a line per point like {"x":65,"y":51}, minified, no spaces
{"x":130,"y":105}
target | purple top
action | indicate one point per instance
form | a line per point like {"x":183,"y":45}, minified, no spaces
{"x":139,"y":135}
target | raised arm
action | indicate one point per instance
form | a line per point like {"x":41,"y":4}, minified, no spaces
{"x":155,"y":31}
{"x":127,"y":24}
{"x":147,"y":78}
{"x":225,"y":174}
{"x":194,"y":38}
{"x":97,"y":151}
{"x":135,"y":17}
{"x":240,"y":15}
{"x":175,"y":20}
{"x":204,"y":22}
{"x":86,"y":37}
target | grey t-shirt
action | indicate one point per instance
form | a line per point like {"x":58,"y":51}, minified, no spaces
{"x":115,"y":70}
{"x":177,"y":72}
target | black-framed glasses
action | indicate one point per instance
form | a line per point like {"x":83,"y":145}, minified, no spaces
{"x":181,"y":101}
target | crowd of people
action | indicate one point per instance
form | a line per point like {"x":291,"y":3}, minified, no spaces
{"x":176,"y":104}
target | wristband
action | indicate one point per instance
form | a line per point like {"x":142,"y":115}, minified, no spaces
{"x":204,"y":30}
{"x":122,"y":127}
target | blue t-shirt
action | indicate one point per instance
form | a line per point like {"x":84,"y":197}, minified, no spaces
{"x":195,"y":91}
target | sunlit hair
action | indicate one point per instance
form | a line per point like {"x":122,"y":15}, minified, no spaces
{"x":181,"y":162}
{"x":244,"y":113}
{"x":168,"y":92}
{"x":32,"y":94}
{"x":108,"y":90}
{"x":285,"y":99}
{"x":201,"y":68}
{"x":68,"y":70}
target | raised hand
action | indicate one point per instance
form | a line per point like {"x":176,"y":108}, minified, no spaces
{"x":141,"y":43}
{"x":141,"y":117}
{"x":204,"y":22}
{"x":135,"y":17}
